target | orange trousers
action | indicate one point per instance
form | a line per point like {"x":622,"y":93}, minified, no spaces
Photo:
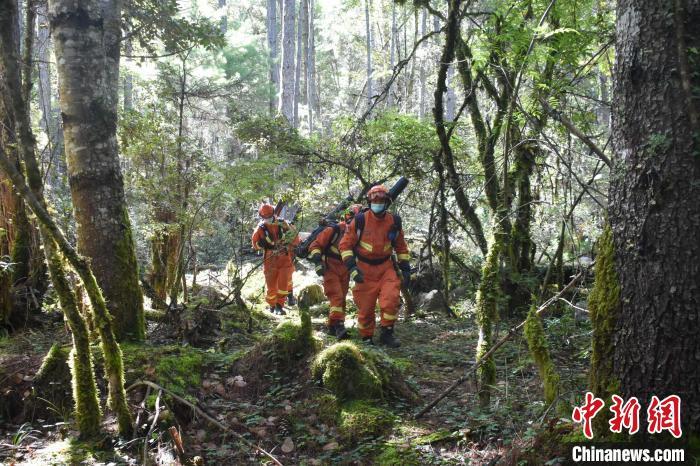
{"x":381,"y":285}
{"x":336,"y":282}
{"x":278,"y":276}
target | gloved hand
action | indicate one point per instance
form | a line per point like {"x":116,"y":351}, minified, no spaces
{"x":320,"y":269}
{"x":405,"y":268}
{"x":264,"y":244}
{"x":356,"y":275}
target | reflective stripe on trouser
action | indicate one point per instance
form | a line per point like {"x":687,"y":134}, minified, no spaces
{"x":276,"y":281}
{"x":381,"y":286}
{"x":336,"y":281}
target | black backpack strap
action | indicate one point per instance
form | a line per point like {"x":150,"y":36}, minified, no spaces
{"x":395,"y":229}
{"x":359,"y":225}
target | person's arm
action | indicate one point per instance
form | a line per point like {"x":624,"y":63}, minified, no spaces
{"x":347,"y":253}
{"x":403,"y":256}
{"x":319,"y":244}
{"x":260,"y":240}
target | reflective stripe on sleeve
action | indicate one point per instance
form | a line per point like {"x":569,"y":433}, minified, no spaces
{"x":404,"y":257}
{"x":366,"y":246}
{"x":346,"y":254}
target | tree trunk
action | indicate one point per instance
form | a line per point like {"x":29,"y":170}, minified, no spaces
{"x":654,"y":208}
{"x":423,"y":99}
{"x":311,"y":84}
{"x":368,"y":33}
{"x":272,"y":50}
{"x":88,"y":108}
{"x":43,"y":54}
{"x":392,"y":53}
{"x":299,"y":62}
{"x":128,"y":79}
{"x":286,"y":101}
{"x":223,"y":21}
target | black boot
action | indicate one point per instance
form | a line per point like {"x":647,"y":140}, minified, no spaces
{"x":279,"y":310}
{"x":341,"y":333}
{"x":272,"y":309}
{"x":368,"y":341}
{"x":291,"y":300}
{"x":386,"y":337}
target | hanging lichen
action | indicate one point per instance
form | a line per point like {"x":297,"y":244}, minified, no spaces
{"x":487,"y":298}
{"x":603,"y":305}
{"x":537,"y":343}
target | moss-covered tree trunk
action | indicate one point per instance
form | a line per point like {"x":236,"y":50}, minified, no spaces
{"x":487,"y":299}
{"x":165,"y":247}
{"x":654,"y":202}
{"x":84,"y":47}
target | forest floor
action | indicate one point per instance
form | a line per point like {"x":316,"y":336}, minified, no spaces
{"x":231,"y":375}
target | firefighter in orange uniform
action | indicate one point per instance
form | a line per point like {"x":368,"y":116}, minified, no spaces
{"x":277,"y":239}
{"x":324,"y":252}
{"x":366,"y":249}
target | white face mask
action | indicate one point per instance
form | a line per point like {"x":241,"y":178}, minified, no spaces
{"x":268,"y":219}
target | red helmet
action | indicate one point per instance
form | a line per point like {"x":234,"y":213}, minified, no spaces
{"x":266,"y":210}
{"x":378,"y":193}
{"x":352,"y":211}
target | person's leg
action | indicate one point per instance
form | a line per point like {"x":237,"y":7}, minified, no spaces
{"x":270,"y":273}
{"x":389,"y":296}
{"x":365,"y":295}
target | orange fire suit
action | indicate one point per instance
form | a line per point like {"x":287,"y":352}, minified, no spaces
{"x":278,"y":266}
{"x":372,"y":252}
{"x":336,"y":278}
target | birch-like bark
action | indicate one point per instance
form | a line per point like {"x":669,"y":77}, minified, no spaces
{"x":423,"y":66}
{"x":392,"y":53}
{"x":311,"y":83}
{"x":272,"y":51}
{"x":286,"y":101}
{"x":368,"y":33}
{"x":299,"y":61}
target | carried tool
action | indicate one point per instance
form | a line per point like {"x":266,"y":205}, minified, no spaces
{"x":332,"y":217}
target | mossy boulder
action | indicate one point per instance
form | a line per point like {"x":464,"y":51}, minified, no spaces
{"x":291,"y":342}
{"x":359,"y":420}
{"x":310,"y":296}
{"x":354,"y":373}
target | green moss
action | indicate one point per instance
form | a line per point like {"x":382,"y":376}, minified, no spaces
{"x":393,"y":455}
{"x":21,"y":247}
{"x":310,"y":296}
{"x":328,"y":408}
{"x":289,"y":342}
{"x":353,"y":373}
{"x":537,"y":342}
{"x":603,"y":305}
{"x":180,"y":370}
{"x":130,"y":324}
{"x":360,"y":419}
{"x":486,"y":310}
{"x":345,"y":371}
{"x":155,"y":315}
